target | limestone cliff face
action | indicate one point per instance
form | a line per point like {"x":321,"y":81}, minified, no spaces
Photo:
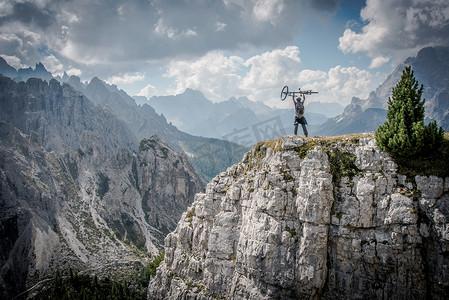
{"x":61,"y":118}
{"x":315,"y":219}
{"x":74,"y":211}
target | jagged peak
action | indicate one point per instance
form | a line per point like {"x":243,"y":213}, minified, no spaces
{"x":40,"y":67}
{"x":95,"y":80}
{"x":192,"y":92}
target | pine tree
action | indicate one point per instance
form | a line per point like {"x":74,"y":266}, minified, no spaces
{"x":404,"y":133}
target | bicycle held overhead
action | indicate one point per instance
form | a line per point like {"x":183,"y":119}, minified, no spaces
{"x":285,"y":93}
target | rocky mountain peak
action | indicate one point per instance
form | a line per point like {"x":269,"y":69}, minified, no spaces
{"x":311,"y":218}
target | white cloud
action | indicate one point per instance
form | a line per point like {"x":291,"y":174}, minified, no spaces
{"x":269,"y":71}
{"x":214,"y":74}
{"x":220,"y":26}
{"x":346,"y":82}
{"x":311,"y":75}
{"x":220,"y":77}
{"x":74,"y":71}
{"x":126,"y":78}
{"x":261,"y":77}
{"x":6,"y":8}
{"x":53,"y":65}
{"x":13,"y":61}
{"x":148,"y":91}
{"x":378,"y":61}
{"x":268,"y":10}
{"x":398,"y":29}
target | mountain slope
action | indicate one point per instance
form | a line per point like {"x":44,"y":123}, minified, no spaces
{"x":311,"y":219}
{"x":77,"y":190}
{"x":61,"y":118}
{"x":72,"y":211}
{"x":145,"y":122}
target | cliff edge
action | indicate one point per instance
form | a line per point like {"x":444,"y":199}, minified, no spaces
{"x":315,"y":218}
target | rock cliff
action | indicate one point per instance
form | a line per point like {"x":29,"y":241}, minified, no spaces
{"x":208,"y":156}
{"x":61,"y":211}
{"x":302,"y":219}
{"x":61,"y":118}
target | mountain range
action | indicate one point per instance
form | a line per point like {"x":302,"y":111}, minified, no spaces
{"x":23,"y":74}
{"x":77,"y":190}
{"x":192,"y":112}
{"x":145,"y":122}
{"x":431,"y":69}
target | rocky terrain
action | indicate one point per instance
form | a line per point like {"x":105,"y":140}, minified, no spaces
{"x":314,"y":218}
{"x":144,"y":122}
{"x":76,"y":188}
{"x":61,"y":118}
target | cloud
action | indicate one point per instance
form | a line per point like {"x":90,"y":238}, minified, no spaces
{"x":148,"y":91}
{"x":126,"y":78}
{"x":345,"y":82}
{"x":269,"y":71}
{"x":53,"y":65}
{"x":108,"y":35}
{"x":378,"y":61}
{"x":268,"y":10}
{"x":73,"y":71}
{"x":261,"y":77}
{"x":396,"y":29}
{"x":29,"y":13}
{"x":220,"y":77}
{"x":311,"y":75}
{"x":24,"y":45}
{"x":216,"y":75}
{"x":13,"y":61}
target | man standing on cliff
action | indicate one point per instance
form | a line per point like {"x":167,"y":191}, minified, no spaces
{"x":299,"y":114}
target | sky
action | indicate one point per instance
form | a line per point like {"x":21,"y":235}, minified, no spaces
{"x":224,"y":48}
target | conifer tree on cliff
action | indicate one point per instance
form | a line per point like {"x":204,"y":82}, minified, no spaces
{"x":404,"y":133}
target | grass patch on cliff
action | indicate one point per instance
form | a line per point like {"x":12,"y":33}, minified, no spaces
{"x":341,"y":164}
{"x":103,"y":184}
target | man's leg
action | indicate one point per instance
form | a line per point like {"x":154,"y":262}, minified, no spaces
{"x":304,"y":129}
{"x":296,"y":126}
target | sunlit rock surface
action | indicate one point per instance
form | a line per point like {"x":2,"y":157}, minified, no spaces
{"x":299,"y":219}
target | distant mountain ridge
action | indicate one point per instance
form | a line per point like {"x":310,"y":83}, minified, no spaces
{"x":61,"y":118}
{"x":144,"y":122}
{"x":194,"y":113}
{"x":24,"y":74}
{"x":431,"y":69}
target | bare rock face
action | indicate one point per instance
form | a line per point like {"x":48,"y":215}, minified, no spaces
{"x":65,"y":211}
{"x":61,"y":118}
{"x":300,"y":219}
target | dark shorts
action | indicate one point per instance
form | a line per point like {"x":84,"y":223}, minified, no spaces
{"x":301,"y":120}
